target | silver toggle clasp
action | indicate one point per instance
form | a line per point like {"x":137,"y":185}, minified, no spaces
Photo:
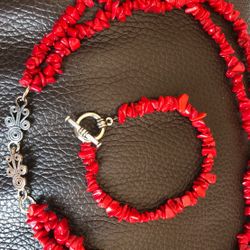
{"x":83,"y":134}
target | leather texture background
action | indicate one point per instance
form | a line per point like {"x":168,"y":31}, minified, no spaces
{"x":142,"y":162}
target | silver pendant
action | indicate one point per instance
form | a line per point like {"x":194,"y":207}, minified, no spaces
{"x":16,"y":170}
{"x":17,"y":122}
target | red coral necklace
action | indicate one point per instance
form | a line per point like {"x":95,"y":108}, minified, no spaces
{"x":46,"y":60}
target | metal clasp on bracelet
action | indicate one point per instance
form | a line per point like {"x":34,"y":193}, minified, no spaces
{"x":83,"y":134}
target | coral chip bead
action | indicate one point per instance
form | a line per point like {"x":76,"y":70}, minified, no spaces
{"x":76,"y":243}
{"x":199,"y":116}
{"x":247,"y":211}
{"x":74,"y":43}
{"x":112,"y":208}
{"x":61,"y":231}
{"x":169,"y":213}
{"x":36,"y":209}
{"x":182,"y":102}
{"x":105,"y":202}
{"x":199,"y":190}
{"x":188,"y":199}
{"x":210,"y":178}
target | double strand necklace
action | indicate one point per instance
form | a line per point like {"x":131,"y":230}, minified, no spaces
{"x":45,"y":62}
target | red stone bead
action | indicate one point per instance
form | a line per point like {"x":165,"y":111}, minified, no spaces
{"x":36,"y":209}
{"x":187,"y":111}
{"x":144,"y":218}
{"x":98,"y":197}
{"x":168,"y":212}
{"x":92,"y":186}
{"x":75,"y":243}
{"x":247,"y":211}
{"x":36,"y":226}
{"x":45,"y":242}
{"x":246,"y":194}
{"x":89,"y":3}
{"x":88,"y":153}
{"x":50,"y":225}
{"x":74,"y":43}
{"x":192,"y":10}
{"x":61,"y":231}
{"x":146,"y":105}
{"x":133,"y":216}
{"x":124,"y":214}
{"x":48,"y":39}
{"x":236,"y":69}
{"x":49,"y":70}
{"x":51,"y":245}
{"x":159,"y":213}
{"x":80,"y":8}
{"x":131,"y":112}
{"x":90,"y":177}
{"x":72,"y":11}
{"x":32,"y":63}
{"x":112,"y":208}
{"x":41,"y":234}
{"x":155,"y":104}
{"x":210,"y":178}
{"x":199,"y":190}
{"x":26,"y":80}
{"x":199,"y":116}
{"x":207,"y":167}
{"x":247,"y":227}
{"x":199,"y":124}
{"x":105,"y":202}
{"x":240,"y":24}
{"x":232,"y":17}
{"x":69,"y":19}
{"x":188,"y":199}
{"x":209,"y":151}
{"x":247,"y":176}
{"x":246,"y":183}
{"x":226,"y":50}
{"x":122,"y":113}
{"x":161,"y":103}
{"x":179,"y":206}
{"x":243,"y":239}
{"x":92,"y":167}
{"x":43,"y":217}
{"x":54,"y":58}
{"x":58,"y":30}
{"x":164,"y":104}
{"x":182,"y":102}
{"x":102,"y":16}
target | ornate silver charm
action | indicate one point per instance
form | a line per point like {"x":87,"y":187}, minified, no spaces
{"x":17,"y":122}
{"x":16,"y":170}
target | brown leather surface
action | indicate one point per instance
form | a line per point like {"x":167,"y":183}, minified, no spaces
{"x":142,"y":162}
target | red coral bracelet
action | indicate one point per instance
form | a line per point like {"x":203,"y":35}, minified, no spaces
{"x":173,"y":206}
